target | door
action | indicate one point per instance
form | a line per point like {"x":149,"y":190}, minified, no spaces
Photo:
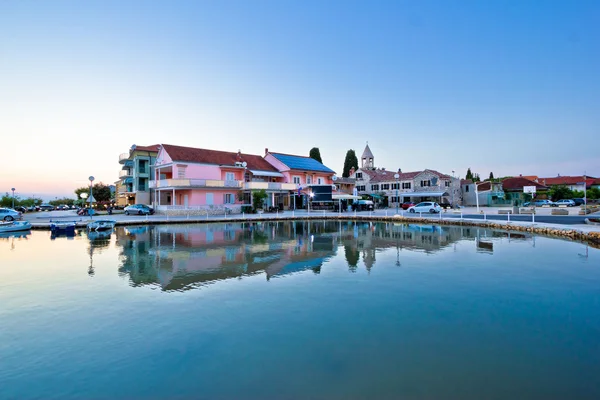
{"x":209,"y":199}
{"x":185,"y":200}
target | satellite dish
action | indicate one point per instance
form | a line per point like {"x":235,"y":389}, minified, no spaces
{"x":334,"y":177}
{"x":244,"y":164}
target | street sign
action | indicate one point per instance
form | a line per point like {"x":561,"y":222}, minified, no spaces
{"x":529,"y":189}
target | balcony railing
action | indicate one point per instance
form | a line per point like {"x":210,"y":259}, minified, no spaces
{"x":269,"y":186}
{"x":123,"y":157}
{"x":125,"y":173}
{"x":194,"y":183}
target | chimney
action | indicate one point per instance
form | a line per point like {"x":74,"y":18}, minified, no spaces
{"x":266,"y":151}
{"x":238,"y":157}
{"x":383,"y":168}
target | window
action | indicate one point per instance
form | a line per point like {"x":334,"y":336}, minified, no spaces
{"x":385,"y":186}
{"x":181,"y":173}
{"x":360,"y":188}
{"x":447,"y":183}
{"x":308,"y":180}
{"x":395,"y":186}
{"x":466,"y":188}
{"x":229,"y":176}
{"x":359,"y":175}
{"x":228,"y":198}
{"x":425,"y":183}
{"x":320,"y":181}
{"x":406,"y":185}
{"x":374,"y":187}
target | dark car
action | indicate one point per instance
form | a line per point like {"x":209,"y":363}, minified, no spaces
{"x":579,"y":201}
{"x":140,"y":209}
{"x":46,"y":207}
{"x":406,"y":205}
{"x":445,"y":205}
{"x":20,"y":209}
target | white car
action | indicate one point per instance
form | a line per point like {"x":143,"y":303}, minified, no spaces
{"x":425,"y":207}
{"x":8,"y":214}
{"x":565,"y":202}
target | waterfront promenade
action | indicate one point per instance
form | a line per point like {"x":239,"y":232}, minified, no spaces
{"x":543,"y":218}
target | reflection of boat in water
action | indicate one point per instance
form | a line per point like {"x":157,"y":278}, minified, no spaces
{"x":97,"y":235}
{"x":18,"y":234}
{"x":101,"y":225}
{"x":14,"y":226}
{"x":63,"y":228}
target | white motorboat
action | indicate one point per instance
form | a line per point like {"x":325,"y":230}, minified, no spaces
{"x":101,"y":225}
{"x":14,"y":226}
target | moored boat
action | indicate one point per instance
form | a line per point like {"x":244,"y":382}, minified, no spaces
{"x":14,"y":226}
{"x":63,"y":228}
{"x":101,"y":225}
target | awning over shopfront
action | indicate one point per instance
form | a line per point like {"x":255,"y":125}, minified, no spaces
{"x":344,"y":196}
{"x":128,"y":180}
{"x":266,"y":173}
{"x":424,"y":194}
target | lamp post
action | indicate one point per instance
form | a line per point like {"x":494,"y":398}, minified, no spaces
{"x":91,"y":178}
{"x":13,"y":199}
{"x":397,"y":177}
{"x":584,"y":194}
{"x":452,"y":188}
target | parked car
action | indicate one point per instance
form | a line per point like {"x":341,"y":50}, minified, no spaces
{"x":20,"y":209}
{"x":579,"y":201}
{"x":8,"y":214}
{"x":540,"y":203}
{"x":140,"y":209}
{"x":445,"y":205}
{"x":46,"y":207}
{"x":426,"y":206}
{"x":407,"y":205}
{"x":33,"y":208}
{"x":362,"y":205}
{"x":565,"y":202}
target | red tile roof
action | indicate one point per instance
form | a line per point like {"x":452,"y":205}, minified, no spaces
{"x":566,"y":180}
{"x":380,"y":175}
{"x":205,"y":156}
{"x":518,"y":183}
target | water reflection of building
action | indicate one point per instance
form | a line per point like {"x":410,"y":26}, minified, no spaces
{"x":184,"y":256}
{"x":179,"y":257}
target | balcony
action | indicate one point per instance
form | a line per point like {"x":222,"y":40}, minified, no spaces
{"x":270,"y":186}
{"x":125,"y":173}
{"x":123,"y":157}
{"x":194,"y":183}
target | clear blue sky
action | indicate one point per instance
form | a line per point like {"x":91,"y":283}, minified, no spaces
{"x":505,"y":86}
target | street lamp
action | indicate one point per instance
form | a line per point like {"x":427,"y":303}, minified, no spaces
{"x":13,"y":199}
{"x":397,"y":177}
{"x":452,"y":188}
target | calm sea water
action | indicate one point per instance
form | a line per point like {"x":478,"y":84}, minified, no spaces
{"x":320,"y":310}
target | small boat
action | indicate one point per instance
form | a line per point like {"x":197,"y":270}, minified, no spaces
{"x":63,"y":228}
{"x":14,"y":226}
{"x":101,"y":225}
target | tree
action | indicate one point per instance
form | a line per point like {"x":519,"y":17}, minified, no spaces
{"x":491,"y":178}
{"x":560,"y":192}
{"x":469,"y":174}
{"x":315,"y":154}
{"x":258,"y":199}
{"x":350,"y":161}
{"x":100,"y":191}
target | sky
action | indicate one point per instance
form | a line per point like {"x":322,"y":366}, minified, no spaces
{"x":511,"y":87}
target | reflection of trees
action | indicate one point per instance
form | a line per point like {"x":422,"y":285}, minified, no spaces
{"x":180,"y":257}
{"x":352,"y":257}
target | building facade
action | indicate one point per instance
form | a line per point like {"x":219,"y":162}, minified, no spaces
{"x":136,"y":174}
{"x":394,"y":187}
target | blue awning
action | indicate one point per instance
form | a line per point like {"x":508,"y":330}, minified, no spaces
{"x":127,"y":180}
{"x":128,"y":164}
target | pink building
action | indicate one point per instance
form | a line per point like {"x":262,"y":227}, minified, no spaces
{"x":187,"y":178}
